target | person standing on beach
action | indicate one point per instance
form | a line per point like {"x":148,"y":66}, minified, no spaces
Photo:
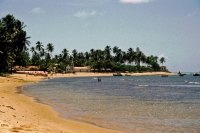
{"x":99,"y":79}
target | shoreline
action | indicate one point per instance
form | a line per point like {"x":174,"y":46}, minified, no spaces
{"x":20,"y":113}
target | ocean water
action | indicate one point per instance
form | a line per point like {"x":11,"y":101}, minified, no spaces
{"x":151,"y":104}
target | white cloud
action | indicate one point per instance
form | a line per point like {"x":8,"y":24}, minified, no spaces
{"x":37,"y":10}
{"x":84,"y":14}
{"x":135,"y":1}
{"x":162,"y":55}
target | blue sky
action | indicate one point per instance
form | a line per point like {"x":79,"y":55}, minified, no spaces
{"x":169,"y":28}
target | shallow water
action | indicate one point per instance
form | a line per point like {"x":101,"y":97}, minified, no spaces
{"x":151,"y":104}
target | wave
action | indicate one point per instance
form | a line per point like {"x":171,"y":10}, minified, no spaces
{"x":187,"y":86}
{"x":143,"y":85}
{"x":194,"y":82}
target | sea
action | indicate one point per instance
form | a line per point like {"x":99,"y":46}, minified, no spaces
{"x":150,"y":104}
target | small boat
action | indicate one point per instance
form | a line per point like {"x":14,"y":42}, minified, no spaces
{"x":181,"y":74}
{"x":164,"y":75}
{"x":127,"y":75}
{"x":196,"y":74}
{"x":117,"y":74}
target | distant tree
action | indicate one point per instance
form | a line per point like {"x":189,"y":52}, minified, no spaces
{"x":39,"y":46}
{"x":50,"y":48}
{"x":131,"y":55}
{"x":107,"y":52}
{"x":118,"y":54}
{"x":162,"y":60}
{"x":64,"y":54}
{"x":156,"y":58}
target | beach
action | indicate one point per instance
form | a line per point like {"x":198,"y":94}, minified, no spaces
{"x":20,"y":113}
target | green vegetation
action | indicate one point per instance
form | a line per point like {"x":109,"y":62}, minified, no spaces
{"x":13,"y":43}
{"x":14,"y":51}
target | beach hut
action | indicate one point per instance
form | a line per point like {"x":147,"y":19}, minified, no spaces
{"x":163,"y":68}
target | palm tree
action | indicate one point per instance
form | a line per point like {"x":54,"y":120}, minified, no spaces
{"x":50,"y":48}
{"x":56,"y":58}
{"x":64,"y":56}
{"x":131,"y":55}
{"x":42,"y":53}
{"x":123,"y":57}
{"x":115,"y":49}
{"x":74,"y":53}
{"x":107,"y":52}
{"x":140,"y":57}
{"x":118,"y":54}
{"x":13,"y":41}
{"x":143,"y":58}
{"x":148,"y":60}
{"x":32,"y":49}
{"x":39,"y":46}
{"x":80,"y":59}
{"x":156,"y":58}
{"x":64,"y":53}
{"x":35,"y":59}
{"x":87,"y":55}
{"x":162,"y":60}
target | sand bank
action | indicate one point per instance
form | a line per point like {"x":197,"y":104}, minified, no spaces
{"x":86,"y":74}
{"x":19,"y":113}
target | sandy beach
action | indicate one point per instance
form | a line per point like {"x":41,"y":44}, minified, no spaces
{"x":19,"y":113}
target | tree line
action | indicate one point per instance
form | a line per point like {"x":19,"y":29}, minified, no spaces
{"x":14,"y":50}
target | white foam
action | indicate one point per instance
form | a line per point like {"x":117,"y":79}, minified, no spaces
{"x":143,"y":85}
{"x":194,"y":82}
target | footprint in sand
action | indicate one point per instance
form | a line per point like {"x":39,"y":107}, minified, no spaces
{"x":4,"y":127}
{"x":23,"y":127}
{"x":10,"y":107}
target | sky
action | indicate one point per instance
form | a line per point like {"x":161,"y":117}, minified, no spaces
{"x":163,"y":28}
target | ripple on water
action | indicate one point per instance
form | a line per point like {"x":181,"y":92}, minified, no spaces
{"x":147,"y":103}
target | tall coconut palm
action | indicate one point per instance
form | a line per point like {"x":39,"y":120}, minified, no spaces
{"x":50,"y":48}
{"x":148,"y":60}
{"x":162,"y":60}
{"x":74,"y":53}
{"x":42,"y":53}
{"x":32,"y":49}
{"x":156,"y":59}
{"x":143,"y":58}
{"x":107,"y":52}
{"x":131,"y":55}
{"x":123,"y":57}
{"x":118,"y":53}
{"x":39,"y":46}
{"x":140,"y":57}
{"x":65,"y":53}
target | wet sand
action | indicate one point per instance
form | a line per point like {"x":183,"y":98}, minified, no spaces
{"x":19,"y":113}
